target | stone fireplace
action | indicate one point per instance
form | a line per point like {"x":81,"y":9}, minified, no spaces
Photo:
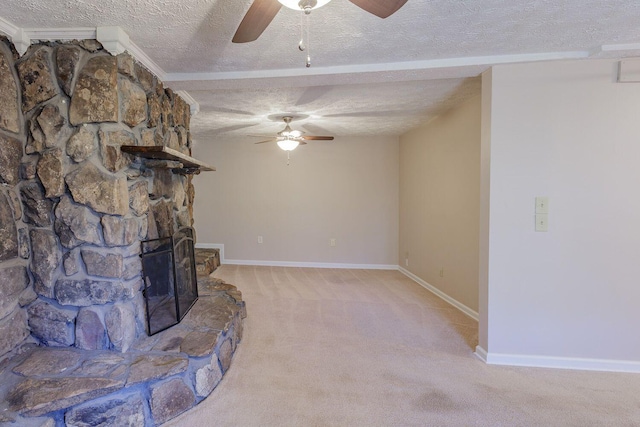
{"x":74,"y":208}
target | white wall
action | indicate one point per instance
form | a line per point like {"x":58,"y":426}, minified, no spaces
{"x":564,"y":130}
{"x":346,"y":189}
{"x":440,"y":203}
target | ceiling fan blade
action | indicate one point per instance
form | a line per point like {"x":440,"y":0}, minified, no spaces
{"x":317,"y":138}
{"x":268,"y":140}
{"x":256,"y":20}
{"x":380,"y":8}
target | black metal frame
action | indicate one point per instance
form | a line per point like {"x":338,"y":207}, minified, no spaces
{"x":167,"y":246}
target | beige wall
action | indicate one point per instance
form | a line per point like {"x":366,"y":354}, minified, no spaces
{"x":567,"y":297}
{"x":346,"y":189}
{"x":440,"y":202}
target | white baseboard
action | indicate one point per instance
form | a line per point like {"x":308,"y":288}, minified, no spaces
{"x":311,"y":264}
{"x":457,"y":304}
{"x":481,"y":353}
{"x":573,"y":363}
{"x":223,"y":260}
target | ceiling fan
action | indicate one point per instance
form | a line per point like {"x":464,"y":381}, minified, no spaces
{"x":288,"y":139}
{"x":262,"y":12}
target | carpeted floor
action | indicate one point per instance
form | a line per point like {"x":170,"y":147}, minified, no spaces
{"x":325,"y":347}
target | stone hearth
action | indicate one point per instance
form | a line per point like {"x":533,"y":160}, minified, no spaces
{"x":159,"y":378}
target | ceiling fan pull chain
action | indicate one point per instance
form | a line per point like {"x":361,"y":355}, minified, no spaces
{"x":288,"y":158}
{"x":308,"y":63}
{"x":301,"y":45}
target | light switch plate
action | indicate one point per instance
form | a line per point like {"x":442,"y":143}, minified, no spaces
{"x":542,"y":222}
{"x":542,"y":205}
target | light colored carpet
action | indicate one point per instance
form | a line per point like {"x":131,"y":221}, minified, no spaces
{"x":326,"y":347}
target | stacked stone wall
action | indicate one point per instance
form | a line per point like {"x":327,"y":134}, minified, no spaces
{"x":73,"y":207}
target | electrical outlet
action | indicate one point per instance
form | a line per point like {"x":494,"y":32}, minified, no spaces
{"x":406,"y":262}
{"x":442,"y":272}
{"x":332,"y":242}
{"x":260,"y":240}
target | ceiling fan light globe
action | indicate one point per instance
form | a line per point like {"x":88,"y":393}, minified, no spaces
{"x":300,"y":4}
{"x":288,"y":144}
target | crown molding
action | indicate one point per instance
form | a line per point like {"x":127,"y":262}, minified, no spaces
{"x":113,"y":38}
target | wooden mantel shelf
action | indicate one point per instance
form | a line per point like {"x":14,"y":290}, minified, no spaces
{"x":166,"y":153}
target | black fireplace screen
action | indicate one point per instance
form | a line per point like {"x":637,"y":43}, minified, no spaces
{"x":170,"y":284}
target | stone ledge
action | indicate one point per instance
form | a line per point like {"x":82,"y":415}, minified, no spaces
{"x":158,"y":379}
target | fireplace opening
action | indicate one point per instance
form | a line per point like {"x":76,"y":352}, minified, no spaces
{"x":170,"y":282}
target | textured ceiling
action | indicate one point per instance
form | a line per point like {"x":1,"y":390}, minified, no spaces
{"x":368,"y":77}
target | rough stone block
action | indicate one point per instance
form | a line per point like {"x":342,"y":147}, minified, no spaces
{"x":171,"y":140}
{"x":87,"y":292}
{"x":153,"y":367}
{"x":53,"y":326}
{"x":36,"y":140}
{"x":76,"y":224}
{"x":119,"y":231}
{"x":82,"y":144}
{"x":145,"y":77}
{"x":170,"y":399}
{"x":107,"y":265}
{"x":28,"y":168}
{"x":125,"y":411}
{"x":27,"y":297}
{"x":151,"y":137}
{"x":36,"y":79}
{"x":67,"y":58}
{"x":139,"y":198}
{"x":121,"y":327}
{"x":163,"y":216}
{"x":181,"y":112}
{"x":113,"y":159}
{"x":13,"y":280}
{"x":8,"y":231}
{"x":24,"y":250}
{"x":102,"y":364}
{"x":10,"y":157}
{"x":51,"y":123}
{"x":134,"y":103}
{"x":9,"y":107}
{"x":37,"y":209}
{"x":103,"y":192}
{"x":207,"y":378}
{"x":155,"y":110}
{"x":70,"y":263}
{"x":16,"y":206}
{"x":179,"y":193}
{"x":126,"y":65}
{"x":48,"y":362}
{"x":132,"y":268}
{"x":34,"y":397}
{"x":199,"y":343}
{"x":214,"y":312}
{"x":51,"y":173}
{"x":13,"y":330}
{"x":95,"y":95}
{"x":225,"y":354}
{"x":45,"y":261}
{"x":90,"y":332}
